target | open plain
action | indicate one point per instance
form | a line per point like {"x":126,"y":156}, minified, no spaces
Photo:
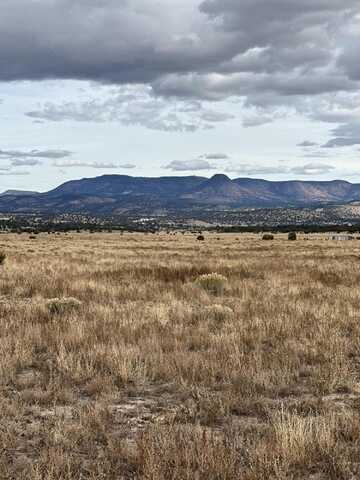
{"x":160,"y":357}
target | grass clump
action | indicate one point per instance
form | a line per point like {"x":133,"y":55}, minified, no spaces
{"x":59,"y":306}
{"x":213,"y":283}
{"x":185,"y":452}
{"x":218,"y":313}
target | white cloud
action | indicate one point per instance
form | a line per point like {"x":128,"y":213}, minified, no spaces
{"x":79,"y":163}
{"x":189,"y":165}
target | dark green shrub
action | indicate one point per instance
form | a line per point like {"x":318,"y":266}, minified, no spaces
{"x":2,"y":257}
{"x":268,"y":236}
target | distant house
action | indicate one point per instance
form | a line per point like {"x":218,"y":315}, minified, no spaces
{"x":341,"y":237}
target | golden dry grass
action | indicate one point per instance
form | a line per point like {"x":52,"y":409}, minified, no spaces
{"x":123,"y":357}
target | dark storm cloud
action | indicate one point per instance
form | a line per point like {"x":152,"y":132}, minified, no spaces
{"x":132,"y":41}
{"x":285,"y":47}
{"x":346,"y":134}
{"x":274,"y":57}
{"x":281,"y":87}
{"x":349,"y":59}
{"x":111,"y":41}
{"x":342,"y":142}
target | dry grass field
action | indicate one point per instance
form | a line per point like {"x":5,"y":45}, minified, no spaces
{"x":158,"y":357}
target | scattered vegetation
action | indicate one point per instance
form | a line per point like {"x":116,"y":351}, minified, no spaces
{"x":58,"y":306}
{"x":219,"y":313}
{"x":161,"y":369}
{"x":213,"y":283}
{"x":268,"y":236}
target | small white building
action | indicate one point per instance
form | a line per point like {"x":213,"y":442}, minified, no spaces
{"x":341,"y":237}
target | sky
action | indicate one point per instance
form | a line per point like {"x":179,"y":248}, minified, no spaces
{"x":249,"y":88}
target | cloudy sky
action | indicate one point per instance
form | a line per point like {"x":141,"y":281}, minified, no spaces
{"x":259,"y":88}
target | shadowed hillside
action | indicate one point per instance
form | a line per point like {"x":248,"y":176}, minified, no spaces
{"x":113,"y":194}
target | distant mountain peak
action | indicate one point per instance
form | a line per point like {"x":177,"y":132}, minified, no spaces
{"x":220,"y":178}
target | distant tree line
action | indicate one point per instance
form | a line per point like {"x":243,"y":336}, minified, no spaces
{"x":289,"y":228}
{"x":29,"y":225}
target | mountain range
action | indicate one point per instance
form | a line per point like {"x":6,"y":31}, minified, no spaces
{"x":120,"y":194}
